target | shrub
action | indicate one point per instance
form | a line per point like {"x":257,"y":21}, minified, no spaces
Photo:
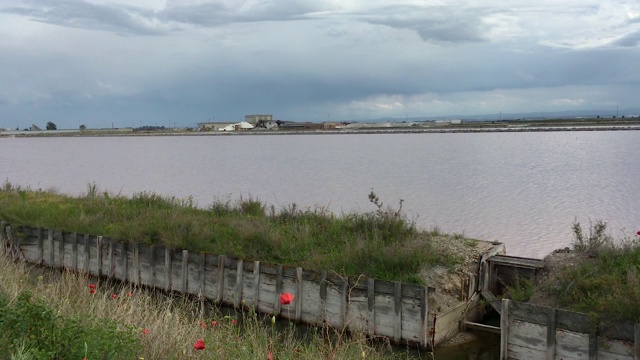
{"x":29,"y":326}
{"x":597,"y":241}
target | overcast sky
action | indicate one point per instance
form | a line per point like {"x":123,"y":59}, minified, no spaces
{"x":157,"y":62}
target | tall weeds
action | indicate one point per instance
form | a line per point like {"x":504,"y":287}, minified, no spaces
{"x":606,"y":283}
{"x":47,"y":314}
{"x":382,"y":243}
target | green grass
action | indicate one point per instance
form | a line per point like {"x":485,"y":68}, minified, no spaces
{"x":51,"y":314}
{"x":605,"y":283}
{"x":381,"y":243}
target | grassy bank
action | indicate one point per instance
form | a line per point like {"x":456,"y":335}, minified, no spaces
{"x":47,"y":314}
{"x":599,"y":276}
{"x":382,"y":243}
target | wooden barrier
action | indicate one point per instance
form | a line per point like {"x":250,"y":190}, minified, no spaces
{"x":537,"y":332}
{"x":394,"y":310}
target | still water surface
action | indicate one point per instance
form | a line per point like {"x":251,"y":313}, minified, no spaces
{"x":523,"y":189}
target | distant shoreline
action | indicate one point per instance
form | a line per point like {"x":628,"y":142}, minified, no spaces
{"x":362,"y":130}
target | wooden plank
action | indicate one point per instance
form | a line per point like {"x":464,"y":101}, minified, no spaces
{"x":551,"y":335}
{"x":371,"y":301}
{"x":60,"y":248}
{"x":397,"y":309}
{"x":25,"y":248}
{"x":385,"y":316}
{"x":335,"y":312}
{"x":424,"y":318}
{"x":124,"y":260}
{"x":484,"y":266}
{"x":136,"y":264}
{"x":99,"y":256}
{"x":4,"y":239}
{"x":492,"y":300}
{"x":533,"y":313}
{"x":256,"y":281}
{"x":529,"y":335}
{"x":112,"y":263}
{"x":153,"y":266}
{"x":202,"y":272}
{"x":344,"y":303}
{"x":167,"y":269}
{"x":183,"y":273}
{"x":448,"y":322}
{"x":195,"y":273}
{"x":40,"y":246}
{"x":311,"y":303}
{"x":411,"y":329}
{"x":119,"y":260}
{"x":74,"y":251}
{"x":87,"y":253}
{"x":146,"y":274}
{"x":481,"y":327}
{"x":524,"y":353}
{"x":636,"y":342}
{"x":504,"y":327}
{"x":176,"y":270}
{"x":50,"y":249}
{"x":515,"y":261}
{"x":572,"y":345}
{"x":221,"y":260}
{"x":276,"y":307}
{"x":593,"y":343}
{"x":358,"y":310}
{"x":322,"y":305}
{"x":299,"y":292}
{"x":614,"y":349}
{"x":239,"y":277}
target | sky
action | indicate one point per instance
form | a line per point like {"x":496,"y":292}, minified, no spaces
{"x":107,"y":63}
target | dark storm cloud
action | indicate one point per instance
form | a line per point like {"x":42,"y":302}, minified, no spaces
{"x":629,"y":40}
{"x":83,"y":15}
{"x":442,"y":24}
{"x":217,"y":13}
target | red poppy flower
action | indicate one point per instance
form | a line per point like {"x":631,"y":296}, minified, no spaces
{"x":286,"y":298}
{"x":214,"y":323}
{"x":234,"y":321}
{"x":203,"y":325}
{"x":92,"y":286}
{"x":129,"y":293}
{"x":269,"y":355}
{"x":92,"y":291}
{"x":199,"y":345}
{"x":114,"y":296}
{"x":145,"y":331}
{"x":638,"y":233}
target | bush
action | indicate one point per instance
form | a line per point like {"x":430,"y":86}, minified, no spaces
{"x":597,"y":241}
{"x":34,"y":330}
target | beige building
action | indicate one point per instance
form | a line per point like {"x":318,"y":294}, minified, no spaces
{"x":255,"y":119}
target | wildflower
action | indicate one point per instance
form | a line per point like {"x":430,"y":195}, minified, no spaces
{"x":638,"y":233}
{"x":199,"y":345}
{"x":145,"y":331}
{"x":92,"y":286}
{"x":114,"y":296}
{"x":214,"y":323}
{"x":234,"y":321}
{"x":92,"y":291}
{"x":129,"y":293}
{"x":286,"y":298}
{"x":203,"y":325}
{"x":269,"y":355}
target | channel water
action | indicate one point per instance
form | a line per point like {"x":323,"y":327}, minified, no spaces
{"x":522,"y":189}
